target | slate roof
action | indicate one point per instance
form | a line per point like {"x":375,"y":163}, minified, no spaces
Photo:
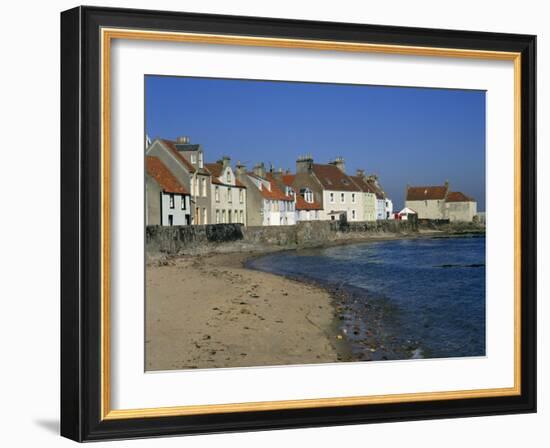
{"x":332,"y":178}
{"x":457,"y":196}
{"x":162,"y":175}
{"x":172,"y":148}
{"x":426,"y":193}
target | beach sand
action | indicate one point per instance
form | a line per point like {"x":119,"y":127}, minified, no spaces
{"x":208,"y":311}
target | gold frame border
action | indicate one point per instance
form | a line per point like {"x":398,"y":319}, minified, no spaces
{"x":107,"y":35}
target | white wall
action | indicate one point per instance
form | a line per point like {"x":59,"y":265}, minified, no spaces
{"x":346,"y":205}
{"x":30,"y":99}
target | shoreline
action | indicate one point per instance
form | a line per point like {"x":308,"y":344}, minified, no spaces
{"x":263,"y":318}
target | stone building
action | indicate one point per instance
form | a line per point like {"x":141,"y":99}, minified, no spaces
{"x":228,"y":193}
{"x":267,"y":204}
{"x":186,"y":162}
{"x":306,"y":207}
{"x":437,"y":202}
{"x":369,"y":197}
{"x":331,"y":187}
{"x":167,"y":201}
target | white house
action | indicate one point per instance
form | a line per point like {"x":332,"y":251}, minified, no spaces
{"x":305,"y":205}
{"x":228,"y":193}
{"x":406,"y":213}
{"x":167,"y":201}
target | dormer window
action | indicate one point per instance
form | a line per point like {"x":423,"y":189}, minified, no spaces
{"x":194,"y":159}
{"x":201,"y":160}
{"x":228,"y":177}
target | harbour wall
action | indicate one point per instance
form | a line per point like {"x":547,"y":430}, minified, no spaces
{"x":202,"y":239}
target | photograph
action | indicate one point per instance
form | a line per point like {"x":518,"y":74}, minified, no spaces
{"x":295,"y":223}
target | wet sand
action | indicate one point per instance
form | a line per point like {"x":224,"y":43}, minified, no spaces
{"x":208,"y":311}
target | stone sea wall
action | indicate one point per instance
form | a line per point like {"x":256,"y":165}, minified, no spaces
{"x":179,"y":240}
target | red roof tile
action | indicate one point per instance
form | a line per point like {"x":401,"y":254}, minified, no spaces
{"x":426,"y":193}
{"x":162,"y":175}
{"x":275,"y":193}
{"x":333,"y":179}
{"x":457,"y":196}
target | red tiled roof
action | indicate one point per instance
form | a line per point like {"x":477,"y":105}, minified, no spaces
{"x":158,"y":171}
{"x":276,"y":193}
{"x":426,"y":193}
{"x":172,"y":147}
{"x":214,"y":168}
{"x":457,"y":196}
{"x":301,"y":204}
{"x":332,"y":178}
{"x":363,"y":185}
{"x":288,"y":179}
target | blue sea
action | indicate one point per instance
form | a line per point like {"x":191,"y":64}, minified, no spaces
{"x":399,"y":299}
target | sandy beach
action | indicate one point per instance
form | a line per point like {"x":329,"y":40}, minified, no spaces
{"x":208,"y":311}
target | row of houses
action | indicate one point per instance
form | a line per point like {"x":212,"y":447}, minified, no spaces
{"x":182,"y":189}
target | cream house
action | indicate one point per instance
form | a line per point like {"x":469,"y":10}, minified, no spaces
{"x":227,"y":192}
{"x":438,"y":203}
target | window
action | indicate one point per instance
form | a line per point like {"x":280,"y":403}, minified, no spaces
{"x":171,"y":200}
{"x":170,"y":220}
{"x":353,"y":198}
{"x":203,"y":181}
{"x":332,"y":197}
{"x":204,"y":216}
{"x":217,"y":193}
{"x":228,"y":177}
{"x":194,"y":159}
{"x":217,"y":216}
{"x":353,"y":214}
{"x":241,"y":195}
{"x":342,"y":197}
{"x":229,"y":196}
{"x":196,"y":181}
{"x":182,"y":202}
{"x":201,"y":160}
{"x":242,"y":217}
{"x":229,"y":216}
{"x":223,"y":216}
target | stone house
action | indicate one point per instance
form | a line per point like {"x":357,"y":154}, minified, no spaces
{"x":305,"y":205}
{"x":186,"y":162}
{"x":228,"y":193}
{"x":437,"y":202}
{"x":368,"y":196}
{"x":267,"y":204}
{"x":460,"y":207}
{"x":167,"y":201}
{"x":331,"y":187}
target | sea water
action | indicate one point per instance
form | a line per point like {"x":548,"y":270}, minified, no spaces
{"x":431,"y":290}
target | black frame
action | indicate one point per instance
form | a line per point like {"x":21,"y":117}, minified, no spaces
{"x":80,"y":223}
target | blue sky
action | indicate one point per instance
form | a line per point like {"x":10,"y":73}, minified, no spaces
{"x":413,"y":136}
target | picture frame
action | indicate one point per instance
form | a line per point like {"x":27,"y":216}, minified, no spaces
{"x":86,"y":37}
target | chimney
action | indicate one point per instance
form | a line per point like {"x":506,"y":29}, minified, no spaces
{"x":259,"y":169}
{"x":304,"y":164}
{"x":361,"y":173}
{"x":183,"y":139}
{"x":278,"y":174}
{"x":447,"y":184}
{"x":338,"y":162}
{"x":225,"y":161}
{"x":240,"y":169}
